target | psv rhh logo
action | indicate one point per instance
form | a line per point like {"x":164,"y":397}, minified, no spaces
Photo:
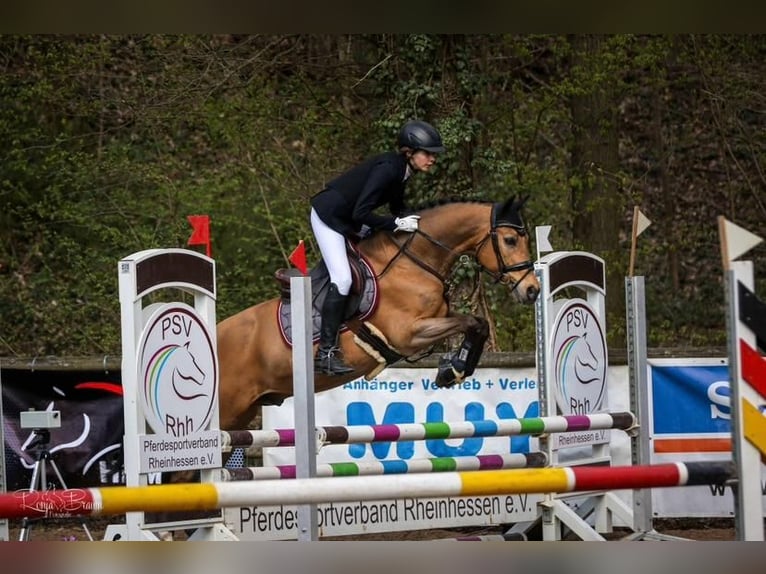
{"x":177,"y":371}
{"x":579,"y":358}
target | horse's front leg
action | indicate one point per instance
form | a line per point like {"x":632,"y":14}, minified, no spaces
{"x":454,"y":367}
{"x":472,"y":347}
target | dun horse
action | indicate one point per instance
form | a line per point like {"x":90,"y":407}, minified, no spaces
{"x":406,"y":312}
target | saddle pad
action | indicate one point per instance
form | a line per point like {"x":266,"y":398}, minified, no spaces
{"x":368,"y":301}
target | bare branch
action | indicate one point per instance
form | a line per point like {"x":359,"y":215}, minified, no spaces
{"x":371,"y":70}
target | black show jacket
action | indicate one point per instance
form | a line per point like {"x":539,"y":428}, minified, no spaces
{"x":349,"y":200}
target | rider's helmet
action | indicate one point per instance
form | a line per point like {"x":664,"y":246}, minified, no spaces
{"x":417,"y":134}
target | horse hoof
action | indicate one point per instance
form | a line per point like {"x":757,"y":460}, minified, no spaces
{"x":447,"y":376}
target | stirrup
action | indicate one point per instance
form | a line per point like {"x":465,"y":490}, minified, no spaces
{"x":328,"y":362}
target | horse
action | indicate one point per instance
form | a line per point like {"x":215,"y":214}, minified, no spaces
{"x":410,"y":314}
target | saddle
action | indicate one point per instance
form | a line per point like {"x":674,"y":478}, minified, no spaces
{"x":360,"y":304}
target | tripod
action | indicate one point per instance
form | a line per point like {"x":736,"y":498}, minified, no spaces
{"x":40,"y":476}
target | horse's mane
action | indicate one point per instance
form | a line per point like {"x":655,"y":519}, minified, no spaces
{"x":445,"y":201}
{"x":374,"y":241}
{"x":510,"y":213}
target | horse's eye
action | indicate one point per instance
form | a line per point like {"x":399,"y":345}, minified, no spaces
{"x":511,"y":241}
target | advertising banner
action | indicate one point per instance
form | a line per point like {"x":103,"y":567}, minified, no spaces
{"x":403,"y":396}
{"x":691,"y":421}
{"x":86,"y":448}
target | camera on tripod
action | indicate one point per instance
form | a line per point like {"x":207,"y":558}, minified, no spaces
{"x":41,"y":423}
{"x":33,"y":419}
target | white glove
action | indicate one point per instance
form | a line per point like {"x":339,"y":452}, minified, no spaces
{"x":409,"y":223}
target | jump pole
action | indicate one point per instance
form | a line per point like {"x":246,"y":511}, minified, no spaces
{"x":434,"y":430}
{"x":211,"y":496}
{"x":746,"y":321}
{"x":410,"y":466}
{"x":635,"y":321}
{"x":746,"y":337}
{"x":303,"y":397}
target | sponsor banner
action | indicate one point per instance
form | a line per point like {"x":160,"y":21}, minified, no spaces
{"x":567,"y":440}
{"x":86,"y":448}
{"x":165,"y":453}
{"x":400,"y":396}
{"x":690,"y":420}
{"x":690,"y":397}
{"x":404,"y":396}
{"x":367,"y":517}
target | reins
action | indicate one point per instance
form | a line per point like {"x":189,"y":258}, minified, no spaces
{"x":402,"y":250}
{"x":503,"y":268}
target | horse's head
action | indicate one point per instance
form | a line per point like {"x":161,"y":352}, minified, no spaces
{"x":504,"y":253}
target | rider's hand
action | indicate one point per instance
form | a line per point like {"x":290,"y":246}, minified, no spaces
{"x":409,"y":223}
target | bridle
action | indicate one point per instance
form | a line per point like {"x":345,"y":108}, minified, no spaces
{"x":504,"y":270}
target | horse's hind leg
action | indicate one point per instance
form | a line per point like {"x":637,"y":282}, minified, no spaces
{"x":454,"y":367}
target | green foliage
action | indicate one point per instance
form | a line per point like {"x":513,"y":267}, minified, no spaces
{"x":111,"y":141}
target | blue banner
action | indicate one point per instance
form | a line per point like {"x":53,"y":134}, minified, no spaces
{"x":693,"y":399}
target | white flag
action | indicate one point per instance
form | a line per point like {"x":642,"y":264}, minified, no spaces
{"x":739,"y":240}
{"x":541,"y":238}
{"x":643,"y":222}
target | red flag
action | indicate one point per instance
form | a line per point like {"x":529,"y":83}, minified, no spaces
{"x":200,"y":231}
{"x":298,"y":257}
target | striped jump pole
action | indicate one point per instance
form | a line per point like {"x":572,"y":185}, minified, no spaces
{"x":211,"y":496}
{"x":747,"y":371}
{"x":412,"y":466}
{"x":436,"y":430}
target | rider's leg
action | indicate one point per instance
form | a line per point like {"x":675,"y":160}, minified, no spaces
{"x":332,"y":245}
{"x":329,"y":359}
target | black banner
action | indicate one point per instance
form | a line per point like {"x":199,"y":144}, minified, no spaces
{"x":86,"y":449}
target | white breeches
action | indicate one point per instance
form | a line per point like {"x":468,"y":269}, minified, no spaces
{"x":332,"y":245}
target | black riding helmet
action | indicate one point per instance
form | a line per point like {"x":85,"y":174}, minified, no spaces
{"x":417,"y":135}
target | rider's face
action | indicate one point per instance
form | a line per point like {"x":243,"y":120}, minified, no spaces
{"x":422,"y":160}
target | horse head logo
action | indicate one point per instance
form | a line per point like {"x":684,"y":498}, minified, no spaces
{"x":186,"y":376}
{"x":580,"y":372}
{"x":176,"y":365}
{"x":178,"y":385}
{"x":576,"y":358}
{"x":586,"y":365}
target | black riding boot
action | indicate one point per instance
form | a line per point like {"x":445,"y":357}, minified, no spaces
{"x":328,"y":360}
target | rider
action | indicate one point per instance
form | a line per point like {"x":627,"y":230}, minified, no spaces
{"x":344,"y":208}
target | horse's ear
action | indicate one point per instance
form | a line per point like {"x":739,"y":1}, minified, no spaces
{"x":513,"y":203}
{"x":510,"y":211}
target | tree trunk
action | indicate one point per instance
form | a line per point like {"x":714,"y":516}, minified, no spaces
{"x":596,"y":198}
